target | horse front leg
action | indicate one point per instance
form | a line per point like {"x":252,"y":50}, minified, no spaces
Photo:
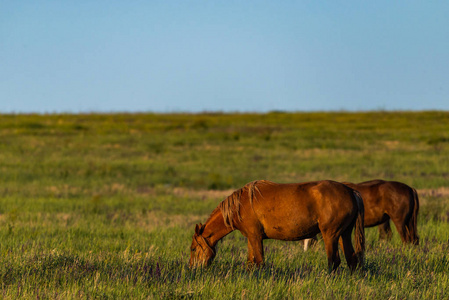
{"x":255,"y":250}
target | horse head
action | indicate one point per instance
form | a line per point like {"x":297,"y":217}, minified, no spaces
{"x":201,"y":252}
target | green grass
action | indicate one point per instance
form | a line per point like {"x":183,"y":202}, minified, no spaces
{"x":104,"y":205}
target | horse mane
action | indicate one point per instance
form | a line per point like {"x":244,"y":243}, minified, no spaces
{"x":230,"y":207}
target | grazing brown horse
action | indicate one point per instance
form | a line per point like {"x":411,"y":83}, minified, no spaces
{"x":267,"y":210}
{"x":385,"y":200}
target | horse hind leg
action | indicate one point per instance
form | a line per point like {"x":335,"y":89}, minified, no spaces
{"x":310,"y":242}
{"x":331,"y":246}
{"x":410,"y":232}
{"x":402,"y":229}
{"x":348,"y":249}
{"x":410,"y":225}
{"x":307,"y":244}
{"x":385,"y":232}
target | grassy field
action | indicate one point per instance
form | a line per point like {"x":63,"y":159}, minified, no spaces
{"x":104,"y":205}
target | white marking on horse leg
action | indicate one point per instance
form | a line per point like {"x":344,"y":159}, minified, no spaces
{"x":306,"y":244}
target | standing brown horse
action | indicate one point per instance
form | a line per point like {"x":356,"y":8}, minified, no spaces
{"x":385,"y":200}
{"x":267,"y":210}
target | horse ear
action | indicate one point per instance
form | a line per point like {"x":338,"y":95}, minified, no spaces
{"x":199,"y":229}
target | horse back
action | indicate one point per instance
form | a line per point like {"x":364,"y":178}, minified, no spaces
{"x":384,"y":199}
{"x":385,"y":192}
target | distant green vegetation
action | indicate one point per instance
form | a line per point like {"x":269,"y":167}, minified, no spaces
{"x":104,"y":205}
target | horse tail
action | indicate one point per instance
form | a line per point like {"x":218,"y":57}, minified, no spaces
{"x":413,"y":223}
{"x":359,"y":228}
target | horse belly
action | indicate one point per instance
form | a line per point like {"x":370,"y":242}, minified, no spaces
{"x":374,"y":214}
{"x":287,"y":216}
{"x":290,"y":228}
{"x":371,"y":221}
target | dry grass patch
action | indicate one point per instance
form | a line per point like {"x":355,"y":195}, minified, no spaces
{"x":202,"y":194}
{"x":155,"y":220}
{"x":438,"y":192}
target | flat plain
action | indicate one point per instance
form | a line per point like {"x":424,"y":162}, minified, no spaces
{"x":104,"y":205}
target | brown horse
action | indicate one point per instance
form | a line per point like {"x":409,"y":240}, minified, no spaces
{"x":385,"y":200}
{"x":267,"y":210}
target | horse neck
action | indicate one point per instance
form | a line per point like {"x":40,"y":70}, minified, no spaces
{"x":215,"y":228}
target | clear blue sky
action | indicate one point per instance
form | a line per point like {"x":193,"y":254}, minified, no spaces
{"x":192,"y":56}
